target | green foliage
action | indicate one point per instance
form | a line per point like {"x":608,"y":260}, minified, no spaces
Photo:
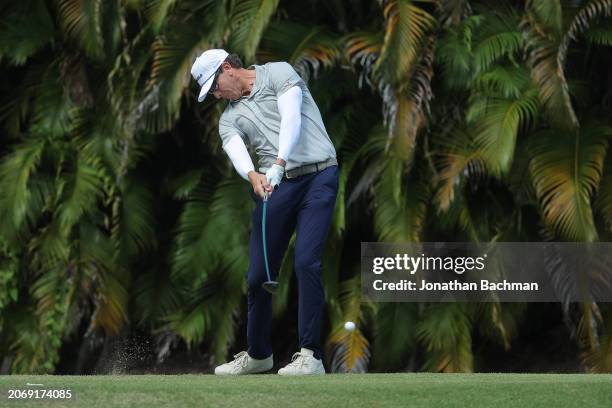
{"x":32,"y":17}
{"x":81,"y":21}
{"x":566,"y":169}
{"x":446,"y":331}
{"x":9,"y":269}
{"x":350,"y":350}
{"x":307,"y":48}
{"x":121,"y":212}
{"x":248,"y":21}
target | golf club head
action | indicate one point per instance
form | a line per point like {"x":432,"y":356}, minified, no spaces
{"x":270,"y":286}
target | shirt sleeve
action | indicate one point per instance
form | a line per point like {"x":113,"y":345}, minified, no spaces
{"x":290,"y":107}
{"x":227,"y":130}
{"x":237,"y":152}
{"x":283,"y":77}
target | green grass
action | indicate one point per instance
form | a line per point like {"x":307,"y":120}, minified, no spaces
{"x":363,"y":390}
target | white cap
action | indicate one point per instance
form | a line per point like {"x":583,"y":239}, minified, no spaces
{"x":204,"y":68}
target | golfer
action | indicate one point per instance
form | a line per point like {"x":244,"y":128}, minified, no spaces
{"x":271,"y":110}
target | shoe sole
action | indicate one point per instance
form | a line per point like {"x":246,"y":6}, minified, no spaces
{"x":295,"y":375}
{"x":249,"y":373}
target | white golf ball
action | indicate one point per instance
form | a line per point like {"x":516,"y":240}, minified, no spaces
{"x":349,"y":326}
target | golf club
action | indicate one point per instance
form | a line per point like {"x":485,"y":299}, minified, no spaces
{"x":270,"y":285}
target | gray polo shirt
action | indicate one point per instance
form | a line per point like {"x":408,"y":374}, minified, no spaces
{"x":256,"y":119}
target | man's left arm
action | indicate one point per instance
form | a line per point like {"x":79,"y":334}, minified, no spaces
{"x":290,"y":109}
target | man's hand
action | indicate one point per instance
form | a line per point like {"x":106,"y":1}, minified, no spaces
{"x":260,"y":183}
{"x":275,"y":174}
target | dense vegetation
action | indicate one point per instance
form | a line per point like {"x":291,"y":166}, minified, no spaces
{"x":453,"y":120}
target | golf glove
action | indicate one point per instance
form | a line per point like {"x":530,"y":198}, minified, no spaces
{"x":275,"y":174}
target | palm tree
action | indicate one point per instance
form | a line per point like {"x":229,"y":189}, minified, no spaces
{"x":453,"y":120}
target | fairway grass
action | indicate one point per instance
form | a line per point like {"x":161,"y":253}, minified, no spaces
{"x":337,"y":390}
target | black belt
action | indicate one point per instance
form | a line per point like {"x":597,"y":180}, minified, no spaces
{"x":310,"y":168}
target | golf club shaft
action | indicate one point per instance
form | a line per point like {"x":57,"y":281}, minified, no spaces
{"x":263,"y":233}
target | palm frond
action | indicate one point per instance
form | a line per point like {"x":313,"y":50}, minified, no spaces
{"x":51,"y":108}
{"x":248,"y":22}
{"x":457,"y":156}
{"x":502,"y":81}
{"x":26,"y":28}
{"x":582,"y":21}
{"x":281,"y":299}
{"x":15,"y":106}
{"x":50,"y":258}
{"x":600,"y":34}
{"x":394,"y":334}
{"x":497,"y":124}
{"x":519,"y":181}
{"x":398,"y":216}
{"x":190,"y":322}
{"x":445,"y":332}
{"x":226,"y":301}
{"x":453,"y":12}
{"x":407,"y":115}
{"x":599,"y":359}
{"x":550,"y":13}
{"x":31,"y":346}
{"x":566,"y":170}
{"x":454,"y":53}
{"x":401,"y":68}
{"x":98,"y":135}
{"x":202,"y":237}
{"x":156,"y":11}
{"x":307,"y":48}
{"x":125,"y":83}
{"x":50,"y":250}
{"x":81,"y":20}
{"x":350,"y":349}
{"x":173,"y":54}
{"x":211,"y":305}
{"x":499,"y":36}
{"x":183,"y":186}
{"x":586,"y":333}
{"x":459,"y":217}
{"x":542,"y":32}
{"x":352,"y":128}
{"x":363,"y":48}
{"x":135,"y":225}
{"x":80,"y":189}
{"x":154,"y":294}
{"x":15,"y":173}
{"x":500,"y":321}
{"x":406,"y":28}
{"x":112,"y":281}
{"x":9,"y":273}
{"x":603,"y":202}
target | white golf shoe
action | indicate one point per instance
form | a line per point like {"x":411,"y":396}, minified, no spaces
{"x":244,"y":364}
{"x":303,"y":363}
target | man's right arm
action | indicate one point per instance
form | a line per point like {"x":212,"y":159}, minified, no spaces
{"x":238,"y":154}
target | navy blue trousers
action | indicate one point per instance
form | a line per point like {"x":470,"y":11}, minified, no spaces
{"x":305,"y":205}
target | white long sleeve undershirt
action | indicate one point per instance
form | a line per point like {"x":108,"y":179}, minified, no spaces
{"x":238,"y":154}
{"x":290,"y":108}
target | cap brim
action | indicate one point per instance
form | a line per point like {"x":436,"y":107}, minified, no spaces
{"x":205,"y":88}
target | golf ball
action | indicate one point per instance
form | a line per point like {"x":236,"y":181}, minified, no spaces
{"x":349,"y":326}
